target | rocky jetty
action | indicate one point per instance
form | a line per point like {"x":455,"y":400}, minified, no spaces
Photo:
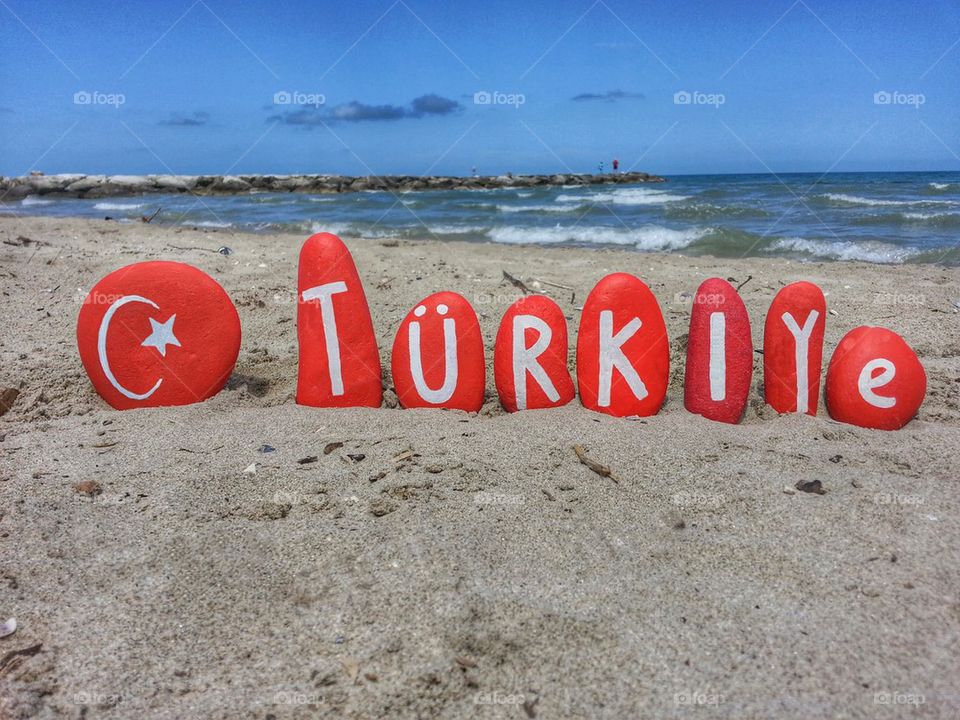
{"x":99,"y":186}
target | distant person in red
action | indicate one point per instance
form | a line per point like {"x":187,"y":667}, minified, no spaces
{"x":616,"y":165}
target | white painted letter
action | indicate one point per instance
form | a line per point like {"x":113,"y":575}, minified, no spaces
{"x":450,"y":368}
{"x":802,"y":338}
{"x":866,"y":382}
{"x":525,"y":359}
{"x":611,"y":356}
{"x":718,"y":356}
{"x":324,"y":293}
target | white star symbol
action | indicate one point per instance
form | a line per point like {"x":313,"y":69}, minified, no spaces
{"x":161,"y":335}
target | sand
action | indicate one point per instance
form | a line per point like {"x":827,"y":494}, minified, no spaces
{"x":440,"y":564}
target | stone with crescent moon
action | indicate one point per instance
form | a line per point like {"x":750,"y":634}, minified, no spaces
{"x":158,"y":333}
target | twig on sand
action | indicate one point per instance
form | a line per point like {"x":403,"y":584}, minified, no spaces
{"x":553,"y":284}
{"x":8,"y":396}
{"x":13,"y":658}
{"x":749,"y":278}
{"x":517,"y":283}
{"x":601,"y":470}
{"x":204,"y":452}
{"x":180,"y":247}
{"x":145,"y":219}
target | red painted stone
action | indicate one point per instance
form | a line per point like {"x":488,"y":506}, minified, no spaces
{"x":158,"y":333}
{"x":339,"y":358}
{"x":623,"y":354}
{"x":719,"y":354}
{"x":438,"y":355}
{"x":874,"y":380}
{"x":530,"y":356}
{"x":798,"y":311}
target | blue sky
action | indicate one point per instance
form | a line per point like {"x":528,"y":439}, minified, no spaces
{"x":392,"y":87}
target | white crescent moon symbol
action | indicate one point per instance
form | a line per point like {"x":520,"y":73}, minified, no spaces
{"x":102,"y":346}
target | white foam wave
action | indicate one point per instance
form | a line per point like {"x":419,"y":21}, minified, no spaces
{"x":457,"y":230}
{"x":332,"y":228}
{"x":208,"y":224}
{"x":33,"y":200}
{"x":930,"y":216}
{"x":380,"y":233}
{"x":625,"y":196}
{"x":569,"y":207}
{"x":857,"y":200}
{"x":940,"y":186}
{"x":117,"y":206}
{"x":647,"y":237}
{"x":869,"y":251}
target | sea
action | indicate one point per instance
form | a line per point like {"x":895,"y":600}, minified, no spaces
{"x":889,"y":218}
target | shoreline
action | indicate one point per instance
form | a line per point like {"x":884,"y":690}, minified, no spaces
{"x":103,"y":186}
{"x":438,"y":560}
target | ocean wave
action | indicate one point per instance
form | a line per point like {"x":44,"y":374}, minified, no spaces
{"x":625,"y":196}
{"x":936,"y":219}
{"x":703,"y":211}
{"x":452,"y":229}
{"x":422,"y":232}
{"x":940,"y":186}
{"x":844,"y":199}
{"x":338,"y":229}
{"x":34,"y":200}
{"x":647,"y":237}
{"x":207,"y":223}
{"x":867,"y":251}
{"x":117,"y":206}
{"x":570,"y":207}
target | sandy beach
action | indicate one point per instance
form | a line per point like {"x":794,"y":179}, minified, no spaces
{"x":395,"y":563}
